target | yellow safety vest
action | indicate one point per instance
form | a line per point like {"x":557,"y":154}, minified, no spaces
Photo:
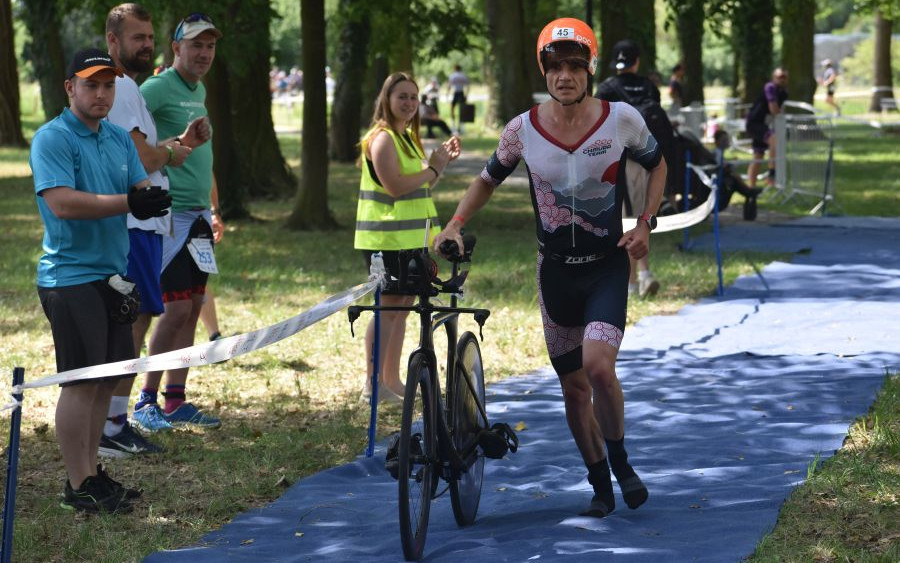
{"x":384,"y":222}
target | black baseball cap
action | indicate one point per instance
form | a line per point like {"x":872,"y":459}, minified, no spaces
{"x":624,"y":54}
{"x":88,"y":62}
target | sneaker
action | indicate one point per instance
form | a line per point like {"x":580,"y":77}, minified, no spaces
{"x":94,"y":496}
{"x":126,"y":444}
{"x":128,"y":493}
{"x":385,"y":395}
{"x":648,"y":286}
{"x":598,"y":508}
{"x":188,"y":414}
{"x":150,"y":418}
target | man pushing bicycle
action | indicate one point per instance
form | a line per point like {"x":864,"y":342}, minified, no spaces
{"x":574,"y":146}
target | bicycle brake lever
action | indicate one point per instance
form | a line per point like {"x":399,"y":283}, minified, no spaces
{"x":481,"y":317}
{"x":353,"y":313}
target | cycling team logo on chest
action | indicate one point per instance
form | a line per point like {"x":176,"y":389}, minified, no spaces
{"x":600,"y":146}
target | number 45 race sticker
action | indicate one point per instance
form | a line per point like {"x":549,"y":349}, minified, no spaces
{"x":564,"y":33}
{"x":201,"y":250}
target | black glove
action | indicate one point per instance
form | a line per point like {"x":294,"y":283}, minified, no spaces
{"x":148,"y":202}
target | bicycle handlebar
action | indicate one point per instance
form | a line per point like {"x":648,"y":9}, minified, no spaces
{"x":419,"y":271}
{"x":450,"y":249}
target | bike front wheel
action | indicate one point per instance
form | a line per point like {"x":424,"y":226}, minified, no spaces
{"x":466,"y":422}
{"x":417,"y":457}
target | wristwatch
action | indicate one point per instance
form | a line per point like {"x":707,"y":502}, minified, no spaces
{"x":649,"y":219}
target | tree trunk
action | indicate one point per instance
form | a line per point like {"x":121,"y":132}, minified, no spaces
{"x":264,"y":168}
{"x":10,"y":118}
{"x":401,"y":53}
{"x":46,"y":54}
{"x":508,"y":55}
{"x":633,"y":20}
{"x":348,"y":92}
{"x":311,"y":206}
{"x":248,"y":159}
{"x":753,"y":21}
{"x":227,"y":159}
{"x":798,"y":19}
{"x":884,"y":83}
{"x":689,"y":27}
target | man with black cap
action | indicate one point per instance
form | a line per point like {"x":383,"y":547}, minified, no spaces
{"x":175,"y":98}
{"x":87,"y":177}
{"x":642,"y":93}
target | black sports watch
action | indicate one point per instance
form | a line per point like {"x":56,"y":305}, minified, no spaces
{"x":649,"y":219}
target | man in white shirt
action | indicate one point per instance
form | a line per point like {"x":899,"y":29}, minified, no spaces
{"x":458,"y":85}
{"x":129,"y":40}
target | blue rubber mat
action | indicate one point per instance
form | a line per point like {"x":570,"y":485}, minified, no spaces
{"x":728,"y":406}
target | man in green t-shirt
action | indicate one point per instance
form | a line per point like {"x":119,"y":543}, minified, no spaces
{"x":175,"y":98}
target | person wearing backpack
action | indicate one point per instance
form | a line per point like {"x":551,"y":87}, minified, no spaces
{"x":641,"y":93}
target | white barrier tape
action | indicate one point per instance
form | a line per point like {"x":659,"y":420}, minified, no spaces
{"x":218,"y":350}
{"x":686,"y":219}
{"x":12,"y":405}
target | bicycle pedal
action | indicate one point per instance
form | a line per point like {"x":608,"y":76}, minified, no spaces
{"x":497,"y":441}
{"x":392,"y":457}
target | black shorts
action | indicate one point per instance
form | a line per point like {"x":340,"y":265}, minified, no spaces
{"x":760,"y":134}
{"x":582,"y":301}
{"x":458,"y":99}
{"x":83,"y":335}
{"x":392,"y":266}
{"x":182,"y":278}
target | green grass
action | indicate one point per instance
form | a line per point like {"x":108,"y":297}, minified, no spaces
{"x":849,"y":507}
{"x":291,"y":410}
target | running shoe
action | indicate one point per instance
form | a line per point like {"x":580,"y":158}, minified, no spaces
{"x":126,"y":444}
{"x":128,"y":493}
{"x":150,"y":418}
{"x":95,"y":495}
{"x":188,"y":414}
{"x":648,"y":286}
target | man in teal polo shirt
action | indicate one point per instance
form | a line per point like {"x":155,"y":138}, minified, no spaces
{"x":87,"y":176}
{"x":175,"y":98}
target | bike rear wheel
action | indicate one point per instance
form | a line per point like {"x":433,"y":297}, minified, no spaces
{"x":417,"y":458}
{"x":465,"y":424}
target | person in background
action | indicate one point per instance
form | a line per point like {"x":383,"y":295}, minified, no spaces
{"x":676,"y":90}
{"x":175,"y":98}
{"x":430,"y":118}
{"x":829,"y":81}
{"x":572,"y":145}
{"x":87,"y":177}
{"x":395,"y":211}
{"x":758,"y":125}
{"x":129,"y":41}
{"x":458,"y":87}
{"x":641,"y":93}
{"x":432,"y":93}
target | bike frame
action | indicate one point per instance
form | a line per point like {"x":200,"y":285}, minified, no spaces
{"x":431,"y":318}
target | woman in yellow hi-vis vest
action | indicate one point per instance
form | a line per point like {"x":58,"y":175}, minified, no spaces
{"x":395,"y":210}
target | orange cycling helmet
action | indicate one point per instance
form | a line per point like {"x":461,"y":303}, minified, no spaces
{"x":572,"y":30}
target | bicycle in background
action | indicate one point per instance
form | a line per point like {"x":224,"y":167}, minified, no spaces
{"x":443,"y":434}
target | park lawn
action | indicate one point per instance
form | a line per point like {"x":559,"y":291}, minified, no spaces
{"x":292,"y":409}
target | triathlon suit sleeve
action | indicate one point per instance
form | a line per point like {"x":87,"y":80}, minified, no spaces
{"x":634,"y":135}
{"x":507,"y":156}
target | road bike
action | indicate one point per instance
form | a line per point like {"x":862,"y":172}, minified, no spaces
{"x":443,"y":434}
